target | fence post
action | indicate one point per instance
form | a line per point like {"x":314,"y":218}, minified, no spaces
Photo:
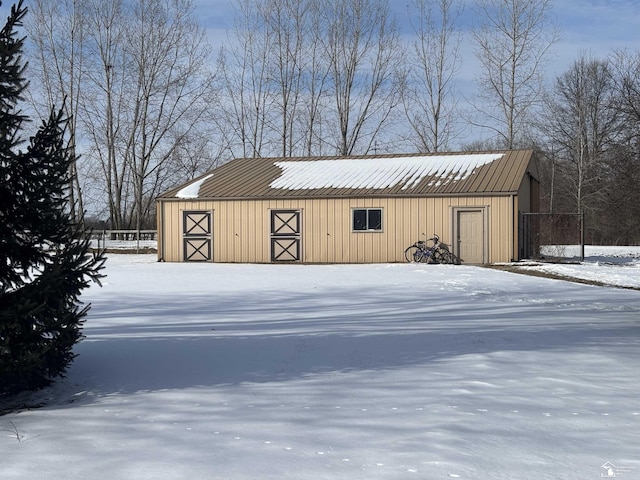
{"x":582,"y":235}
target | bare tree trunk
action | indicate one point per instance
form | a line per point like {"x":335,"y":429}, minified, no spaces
{"x":101,"y":107}
{"x":314,"y":85}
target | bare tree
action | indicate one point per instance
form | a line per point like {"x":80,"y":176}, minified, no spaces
{"x":623,"y":201}
{"x":170,"y":94}
{"x":314,"y":83}
{"x":513,"y":41}
{"x":287,"y":22}
{"x":101,"y":119}
{"x":306,"y":76}
{"x":361,"y":45}
{"x":56,"y":30}
{"x":430,"y":99}
{"x":626,"y":66}
{"x":246,"y":108}
{"x":582,"y":125}
{"x":262,"y":73}
{"x":136,"y":76}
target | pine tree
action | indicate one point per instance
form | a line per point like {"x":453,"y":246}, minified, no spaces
{"x":45,"y":260}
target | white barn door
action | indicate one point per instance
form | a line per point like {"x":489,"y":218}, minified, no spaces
{"x":470,"y":227}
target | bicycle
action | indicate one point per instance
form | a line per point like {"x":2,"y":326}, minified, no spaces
{"x":437,"y":253}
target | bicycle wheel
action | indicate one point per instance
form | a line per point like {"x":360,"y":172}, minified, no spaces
{"x":442,"y":256}
{"x":414,"y":254}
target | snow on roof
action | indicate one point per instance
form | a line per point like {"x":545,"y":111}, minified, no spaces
{"x":192,"y":190}
{"x":378,"y":173}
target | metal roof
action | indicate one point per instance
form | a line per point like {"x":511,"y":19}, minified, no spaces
{"x":431,"y":174}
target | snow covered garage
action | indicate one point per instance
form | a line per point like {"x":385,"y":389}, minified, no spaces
{"x":362,"y":209}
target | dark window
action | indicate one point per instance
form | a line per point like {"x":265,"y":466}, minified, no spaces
{"x":367,"y":219}
{"x":374,"y":220}
{"x":359,"y":219}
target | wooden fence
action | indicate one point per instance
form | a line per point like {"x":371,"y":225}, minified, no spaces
{"x":130,"y":240}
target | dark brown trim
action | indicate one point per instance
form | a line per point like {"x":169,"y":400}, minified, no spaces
{"x":343,"y":197}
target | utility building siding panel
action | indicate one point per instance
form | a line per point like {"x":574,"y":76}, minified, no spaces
{"x":241,"y":229}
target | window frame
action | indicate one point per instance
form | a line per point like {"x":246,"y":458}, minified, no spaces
{"x":367,"y":211}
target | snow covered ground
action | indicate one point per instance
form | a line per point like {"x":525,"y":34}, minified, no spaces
{"x":403,"y":371}
{"x":618,"y":266}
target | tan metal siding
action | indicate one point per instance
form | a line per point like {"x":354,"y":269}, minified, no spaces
{"x":241,"y":229}
{"x":500,"y":234}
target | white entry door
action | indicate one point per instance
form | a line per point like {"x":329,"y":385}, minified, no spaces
{"x":471,"y":236}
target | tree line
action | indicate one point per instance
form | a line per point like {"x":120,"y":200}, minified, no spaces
{"x":590,"y":127}
{"x":153,"y":104}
